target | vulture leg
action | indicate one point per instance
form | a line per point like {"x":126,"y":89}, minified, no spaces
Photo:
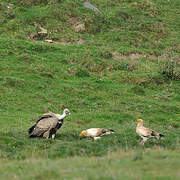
{"x":143,"y":141}
{"x":53,"y":136}
{"x":95,"y":138}
{"x":46,"y":135}
{"x":52,"y":133}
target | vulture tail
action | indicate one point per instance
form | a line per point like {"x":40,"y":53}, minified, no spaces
{"x":157,"y":135}
{"x":30,"y":130}
{"x":108,"y":131}
{"x":161,"y":136}
{"x":111,"y":130}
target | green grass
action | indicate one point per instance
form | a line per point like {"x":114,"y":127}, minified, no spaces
{"x":148,"y":164}
{"x":122,"y":71}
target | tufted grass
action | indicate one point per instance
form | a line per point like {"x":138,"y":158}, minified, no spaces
{"x":154,"y":163}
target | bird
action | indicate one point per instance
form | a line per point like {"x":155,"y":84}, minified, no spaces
{"x":146,"y":133}
{"x":47,"y":125}
{"x":96,"y":133}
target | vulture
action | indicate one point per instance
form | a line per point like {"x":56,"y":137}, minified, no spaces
{"x":47,"y":125}
{"x":146,"y":133}
{"x":96,"y":133}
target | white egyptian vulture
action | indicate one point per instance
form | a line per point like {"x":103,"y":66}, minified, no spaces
{"x":96,"y":133}
{"x":146,"y":133}
{"x":47,"y":125}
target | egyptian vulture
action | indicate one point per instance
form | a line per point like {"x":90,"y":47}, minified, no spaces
{"x":96,"y":133}
{"x":146,"y":133}
{"x":47,"y":125}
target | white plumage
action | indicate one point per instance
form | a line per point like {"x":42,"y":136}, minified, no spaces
{"x":96,"y":133}
{"x":146,"y":133}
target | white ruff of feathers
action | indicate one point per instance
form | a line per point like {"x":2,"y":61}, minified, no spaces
{"x":61,"y":116}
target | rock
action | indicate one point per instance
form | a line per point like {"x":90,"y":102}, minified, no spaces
{"x":48,"y":40}
{"x":80,"y":42}
{"x":79,"y":28}
{"x":169,"y":127}
{"x":43,"y":31}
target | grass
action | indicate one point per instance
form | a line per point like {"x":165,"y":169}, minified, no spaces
{"x":158,"y":164}
{"x":121,"y":71}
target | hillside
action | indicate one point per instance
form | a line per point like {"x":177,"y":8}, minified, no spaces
{"x":109,"y":69}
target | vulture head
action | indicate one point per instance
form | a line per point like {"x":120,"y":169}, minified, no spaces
{"x":66,"y":111}
{"x":140,"y":121}
{"x":83,"y":133}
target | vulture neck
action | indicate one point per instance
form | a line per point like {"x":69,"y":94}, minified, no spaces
{"x":140,"y":124}
{"x":61,"y":116}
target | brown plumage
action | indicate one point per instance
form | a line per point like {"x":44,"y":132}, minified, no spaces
{"x":47,"y":125}
{"x":146,"y":133}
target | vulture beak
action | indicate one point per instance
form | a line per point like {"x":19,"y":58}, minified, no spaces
{"x":139,"y":120}
{"x":82,"y":134}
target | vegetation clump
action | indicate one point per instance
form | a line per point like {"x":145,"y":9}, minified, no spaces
{"x":170,"y":69}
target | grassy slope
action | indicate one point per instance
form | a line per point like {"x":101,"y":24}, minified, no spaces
{"x":110,"y":80}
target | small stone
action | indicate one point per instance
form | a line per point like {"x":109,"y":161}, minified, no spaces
{"x":48,"y":40}
{"x":169,"y":127}
{"x":43,"y":31}
{"x":79,"y":28}
{"x":80,"y":42}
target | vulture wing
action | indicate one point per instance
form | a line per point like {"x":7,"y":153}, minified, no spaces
{"x":43,"y":124}
{"x":95,"y":132}
{"x":157,"y":135}
{"x":107,"y":131}
{"x":145,"y":132}
{"x":46,"y":115}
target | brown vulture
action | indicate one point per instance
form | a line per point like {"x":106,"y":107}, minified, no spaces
{"x":47,"y":125}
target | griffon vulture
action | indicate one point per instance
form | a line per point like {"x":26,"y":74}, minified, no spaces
{"x":96,"y":133}
{"x":47,"y":125}
{"x":146,"y":133}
